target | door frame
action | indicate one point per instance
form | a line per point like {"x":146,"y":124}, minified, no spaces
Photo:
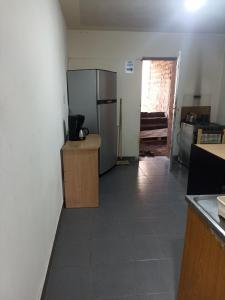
{"x":165,"y":58}
{"x":175,"y":108}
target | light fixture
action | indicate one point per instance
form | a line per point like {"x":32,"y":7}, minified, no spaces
{"x":194,"y":5}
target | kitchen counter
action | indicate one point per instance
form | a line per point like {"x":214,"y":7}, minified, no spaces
{"x":92,"y":142}
{"x":207,"y":208}
{"x":216,"y":149}
{"x":203,"y":264}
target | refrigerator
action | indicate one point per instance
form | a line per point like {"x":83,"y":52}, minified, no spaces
{"x":93,"y":93}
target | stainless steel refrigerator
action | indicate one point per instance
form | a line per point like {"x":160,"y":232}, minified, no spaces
{"x":93,"y":93}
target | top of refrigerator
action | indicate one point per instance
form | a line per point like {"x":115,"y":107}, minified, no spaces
{"x":105,"y":82}
{"x":75,"y":70}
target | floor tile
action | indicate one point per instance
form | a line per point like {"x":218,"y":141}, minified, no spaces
{"x":163,"y":296}
{"x":72,"y":254}
{"x":169,"y":228}
{"x":144,"y":226}
{"x":78,"y":225}
{"x":147,"y":277}
{"x":169,"y":273}
{"x":150,"y":211}
{"x":129,"y":248}
{"x":68,"y":284}
{"x":111,"y":250}
{"x":156,"y":276}
{"x":110,"y":229}
{"x":147,"y":247}
{"x":171,"y":247}
{"x":114,"y":280}
{"x":118,"y":298}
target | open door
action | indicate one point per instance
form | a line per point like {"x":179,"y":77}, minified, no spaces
{"x":174,"y":110}
{"x":157,"y":105}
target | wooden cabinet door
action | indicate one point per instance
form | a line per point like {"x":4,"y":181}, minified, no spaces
{"x":203,"y":266}
{"x":81,"y":179}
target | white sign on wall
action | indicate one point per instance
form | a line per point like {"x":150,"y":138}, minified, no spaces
{"x":129,"y":66}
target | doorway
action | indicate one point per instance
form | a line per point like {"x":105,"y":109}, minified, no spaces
{"x":157,"y":103}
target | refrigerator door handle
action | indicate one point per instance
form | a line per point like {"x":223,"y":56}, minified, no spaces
{"x":107,"y":101}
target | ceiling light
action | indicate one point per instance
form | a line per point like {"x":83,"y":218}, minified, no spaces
{"x":194,"y":5}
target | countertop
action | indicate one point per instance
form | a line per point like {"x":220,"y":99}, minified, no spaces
{"x":207,"y":207}
{"x":216,"y":149}
{"x":92,"y":142}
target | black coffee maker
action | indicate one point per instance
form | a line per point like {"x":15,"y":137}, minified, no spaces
{"x":76,"y":132}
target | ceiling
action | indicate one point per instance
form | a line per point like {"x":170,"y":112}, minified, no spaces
{"x":144,"y":15}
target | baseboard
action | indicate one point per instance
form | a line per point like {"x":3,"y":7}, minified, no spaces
{"x":43,"y":294}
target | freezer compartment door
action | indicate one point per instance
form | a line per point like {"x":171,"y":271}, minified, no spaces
{"x":82,"y":96}
{"x":106,"y":85}
{"x":107,"y":122}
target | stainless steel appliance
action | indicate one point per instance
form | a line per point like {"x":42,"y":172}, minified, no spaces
{"x":185,"y":142}
{"x":83,"y":133}
{"x":93,"y":93}
{"x":188,"y":136}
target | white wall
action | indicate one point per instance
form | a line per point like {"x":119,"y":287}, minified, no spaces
{"x":201,"y":68}
{"x":221,"y":108}
{"x":32,"y":89}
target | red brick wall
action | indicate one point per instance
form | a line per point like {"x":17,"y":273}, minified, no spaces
{"x":160,"y":85}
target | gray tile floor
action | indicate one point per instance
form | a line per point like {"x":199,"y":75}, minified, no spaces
{"x":128,"y":249}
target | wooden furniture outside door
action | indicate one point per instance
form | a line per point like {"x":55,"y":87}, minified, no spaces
{"x":81,"y":175}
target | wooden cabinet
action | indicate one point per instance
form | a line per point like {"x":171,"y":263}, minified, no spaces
{"x":203,"y":266}
{"x":81,"y":175}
